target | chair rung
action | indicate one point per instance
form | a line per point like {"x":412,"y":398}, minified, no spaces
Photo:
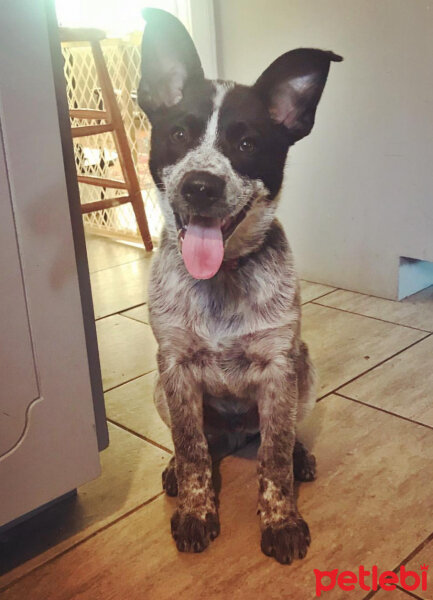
{"x":103,"y":204}
{"x":86,"y":130}
{"x":88,"y":113}
{"x":102,"y":182}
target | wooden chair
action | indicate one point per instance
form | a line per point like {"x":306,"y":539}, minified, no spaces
{"x":113,"y":124}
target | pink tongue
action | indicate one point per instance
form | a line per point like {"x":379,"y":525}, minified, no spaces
{"x":202,"y":247}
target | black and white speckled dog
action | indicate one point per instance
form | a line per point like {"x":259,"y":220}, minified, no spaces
{"x":223,"y":295}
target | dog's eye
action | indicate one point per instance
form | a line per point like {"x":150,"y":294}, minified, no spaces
{"x":247,"y":145}
{"x":179,"y":135}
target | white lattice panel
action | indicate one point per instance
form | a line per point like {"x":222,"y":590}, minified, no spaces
{"x":96,"y":155}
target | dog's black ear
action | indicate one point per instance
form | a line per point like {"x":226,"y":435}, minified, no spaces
{"x":292,"y":85}
{"x":168,"y":60}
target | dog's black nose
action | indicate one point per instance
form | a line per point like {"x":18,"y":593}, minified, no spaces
{"x":201,"y":188}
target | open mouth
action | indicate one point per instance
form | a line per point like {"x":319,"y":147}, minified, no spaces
{"x":202,"y":240}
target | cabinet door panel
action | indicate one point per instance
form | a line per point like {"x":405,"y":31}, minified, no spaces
{"x":17,"y":373}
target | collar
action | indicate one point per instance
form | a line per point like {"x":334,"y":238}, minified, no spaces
{"x":232,"y":264}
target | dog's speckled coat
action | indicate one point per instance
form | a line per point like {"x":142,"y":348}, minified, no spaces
{"x":230,"y":357}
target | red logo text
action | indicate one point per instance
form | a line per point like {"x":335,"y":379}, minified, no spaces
{"x":370,"y":580}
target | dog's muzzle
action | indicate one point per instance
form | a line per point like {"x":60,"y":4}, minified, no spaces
{"x":202,"y":231}
{"x":201,"y":189}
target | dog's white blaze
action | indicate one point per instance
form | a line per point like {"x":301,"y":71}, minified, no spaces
{"x":211,"y":133}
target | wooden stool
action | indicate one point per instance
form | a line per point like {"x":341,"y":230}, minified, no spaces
{"x":114,"y":124}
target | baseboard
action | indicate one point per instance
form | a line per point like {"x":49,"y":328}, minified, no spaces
{"x":36,"y":511}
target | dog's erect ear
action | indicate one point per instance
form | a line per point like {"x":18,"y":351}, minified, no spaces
{"x":168,"y":60}
{"x":292,"y":85}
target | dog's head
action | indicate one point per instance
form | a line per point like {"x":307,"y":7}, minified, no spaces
{"x":218,"y":149}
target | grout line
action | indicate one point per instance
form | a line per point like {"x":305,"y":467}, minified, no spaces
{"x":129,"y":380}
{"x":85,"y":539}
{"x":134,"y":318}
{"x":139,"y":435}
{"x":383,"y":410}
{"x":317,"y":297}
{"x":119,"y":312}
{"x":351,"y":312}
{"x":128,"y":262}
{"x":373,"y":367}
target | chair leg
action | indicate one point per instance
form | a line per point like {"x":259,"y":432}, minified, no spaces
{"x":122,"y":144}
{"x":140,"y":216}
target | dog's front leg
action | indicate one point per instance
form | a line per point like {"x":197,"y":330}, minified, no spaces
{"x":285,"y":535}
{"x":195,"y":522}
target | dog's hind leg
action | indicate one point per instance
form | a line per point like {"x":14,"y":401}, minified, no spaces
{"x":169,"y":479}
{"x":304,"y":463}
{"x":160,"y":401}
{"x":307,"y":380}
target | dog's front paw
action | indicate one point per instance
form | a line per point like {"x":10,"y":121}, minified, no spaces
{"x":287,"y":540}
{"x":192,"y":533}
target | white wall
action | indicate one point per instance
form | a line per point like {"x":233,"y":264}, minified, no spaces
{"x":358,"y":191}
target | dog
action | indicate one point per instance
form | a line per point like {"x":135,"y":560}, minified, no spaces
{"x":223,"y":294}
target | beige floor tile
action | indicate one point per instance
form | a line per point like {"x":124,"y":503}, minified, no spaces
{"x":127,"y":349}
{"x":132,"y":406}
{"x":343,"y":345}
{"x":141,"y":313}
{"x":416,"y":311}
{"x":103,"y":253}
{"x":311,"y":291}
{"x":372,"y":470}
{"x":390,"y":595}
{"x":423,"y":557}
{"x":120,"y":288}
{"x":131,"y":475}
{"x":402,"y":385}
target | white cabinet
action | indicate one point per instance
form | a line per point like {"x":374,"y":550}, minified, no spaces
{"x":48,"y":441}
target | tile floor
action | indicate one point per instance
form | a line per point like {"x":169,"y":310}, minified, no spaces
{"x":372,"y":503}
